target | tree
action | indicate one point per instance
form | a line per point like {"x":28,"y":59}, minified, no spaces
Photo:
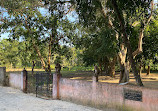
{"x":121,"y":16}
{"x":91,"y":38}
{"x":15,"y":54}
{"x":150,"y":41}
{"x":96,"y":51}
{"x":145,"y":21}
{"x":41,"y":32}
{"x":9,"y":53}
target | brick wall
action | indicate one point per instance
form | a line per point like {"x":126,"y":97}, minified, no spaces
{"x":106,"y":95}
{"x":15,"y":80}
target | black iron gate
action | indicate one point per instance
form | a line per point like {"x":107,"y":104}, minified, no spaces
{"x":44,"y":83}
{"x":31,"y":83}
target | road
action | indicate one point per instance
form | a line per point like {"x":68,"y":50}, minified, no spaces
{"x":14,"y":100}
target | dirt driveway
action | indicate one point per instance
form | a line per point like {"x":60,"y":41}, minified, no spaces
{"x":14,"y":100}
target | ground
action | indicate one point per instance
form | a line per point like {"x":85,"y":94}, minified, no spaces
{"x":14,"y":100}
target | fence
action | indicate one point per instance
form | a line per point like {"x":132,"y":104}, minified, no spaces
{"x":112,"y":95}
{"x":99,"y":94}
{"x":108,"y":95}
{"x":16,"y":80}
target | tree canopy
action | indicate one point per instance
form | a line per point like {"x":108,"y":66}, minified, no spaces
{"x":98,"y":34}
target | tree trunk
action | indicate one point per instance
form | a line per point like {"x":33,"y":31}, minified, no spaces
{"x":52,"y":40}
{"x":133,"y":65}
{"x":148,"y":70}
{"x":144,"y":67}
{"x":112,"y":67}
{"x":49,"y":54}
{"x":124,"y":73}
{"x":124,"y":66}
{"x":127,"y":43}
{"x":100,"y":66}
{"x":140,"y":68}
{"x":106,"y":66}
{"x":40,"y":56}
{"x":33,"y":65}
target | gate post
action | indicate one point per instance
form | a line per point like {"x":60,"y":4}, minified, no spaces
{"x":96,"y":73}
{"x":56,"y":78}
{"x":24,"y":81}
{"x":3,"y":76}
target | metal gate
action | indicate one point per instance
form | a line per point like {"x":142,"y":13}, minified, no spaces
{"x":31,"y":83}
{"x":44,"y":84}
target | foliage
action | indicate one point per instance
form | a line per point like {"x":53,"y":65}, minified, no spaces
{"x":150,"y":45}
{"x":43,"y":33}
{"x":14,"y":54}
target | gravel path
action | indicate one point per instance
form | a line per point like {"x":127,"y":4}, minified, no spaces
{"x":14,"y":100}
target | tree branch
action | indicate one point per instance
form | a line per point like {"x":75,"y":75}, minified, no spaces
{"x":103,"y":11}
{"x":39,"y":54}
{"x":141,"y":35}
{"x":70,"y":9}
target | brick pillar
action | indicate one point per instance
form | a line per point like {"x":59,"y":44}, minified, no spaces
{"x":56,"y":78}
{"x":94,"y":83}
{"x":94,"y":88}
{"x":95,"y":78}
{"x":24,"y":81}
{"x":3,"y":76}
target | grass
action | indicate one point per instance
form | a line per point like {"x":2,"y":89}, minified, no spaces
{"x":20,"y":69}
{"x":150,"y":81}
